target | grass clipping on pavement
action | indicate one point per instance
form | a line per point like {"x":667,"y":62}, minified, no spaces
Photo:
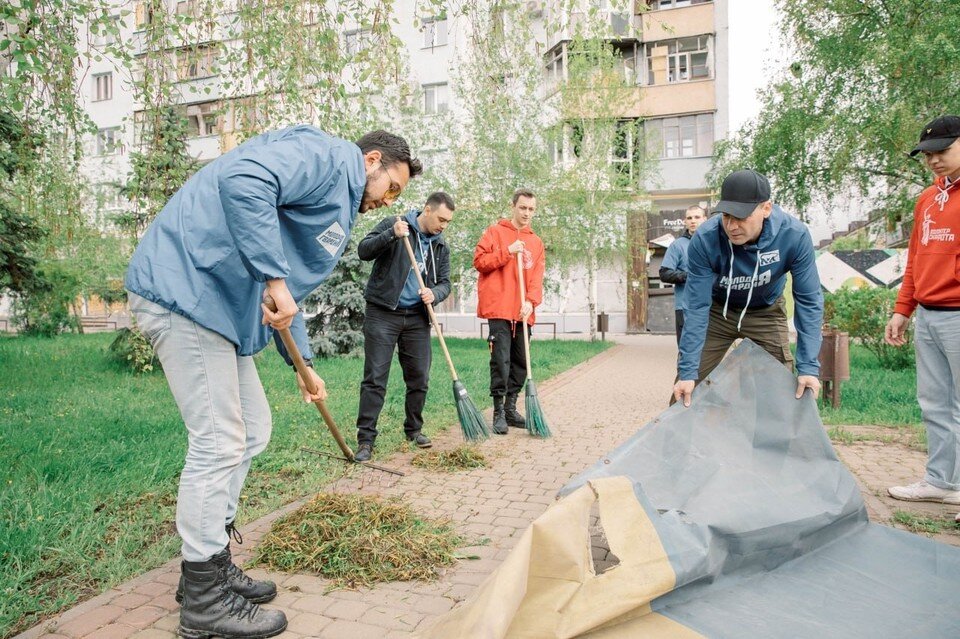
{"x":357,"y":540}
{"x":460,"y":458}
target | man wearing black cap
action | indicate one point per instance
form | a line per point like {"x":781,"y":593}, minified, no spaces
{"x":930,"y":282}
{"x":737,"y":265}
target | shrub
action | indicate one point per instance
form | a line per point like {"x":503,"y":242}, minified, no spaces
{"x":132,"y":349}
{"x":864,"y":313}
{"x":43,"y":309}
{"x":337,"y":328}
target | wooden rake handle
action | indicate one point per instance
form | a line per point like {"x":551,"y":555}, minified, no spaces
{"x":433,"y":317}
{"x":287,"y":338}
{"x":523,"y":298}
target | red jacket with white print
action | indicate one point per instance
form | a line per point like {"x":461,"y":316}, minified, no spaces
{"x":932,"y":276}
{"x":498,"y":289}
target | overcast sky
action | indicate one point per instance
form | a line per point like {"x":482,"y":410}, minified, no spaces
{"x":755,"y":55}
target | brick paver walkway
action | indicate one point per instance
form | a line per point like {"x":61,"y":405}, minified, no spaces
{"x":591,"y":409}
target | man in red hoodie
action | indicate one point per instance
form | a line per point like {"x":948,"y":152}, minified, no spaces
{"x":930,"y":281}
{"x":498,"y":290}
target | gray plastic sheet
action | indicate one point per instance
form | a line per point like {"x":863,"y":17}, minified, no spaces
{"x":765,"y":527}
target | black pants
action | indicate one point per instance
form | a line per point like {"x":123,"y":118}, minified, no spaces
{"x":508,"y":361}
{"x":679,"y":315}
{"x":407,"y":331}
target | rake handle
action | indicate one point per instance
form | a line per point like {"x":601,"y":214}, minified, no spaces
{"x":287,"y":338}
{"x":433,"y":317}
{"x":523,"y":298}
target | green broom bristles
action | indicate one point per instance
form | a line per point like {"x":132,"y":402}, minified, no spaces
{"x":472,"y":424}
{"x":536,"y":420}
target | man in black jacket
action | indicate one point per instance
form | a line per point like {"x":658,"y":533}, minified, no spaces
{"x":396,"y":316}
{"x":673,"y":270}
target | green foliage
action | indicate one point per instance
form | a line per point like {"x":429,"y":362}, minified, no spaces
{"x":132,"y":349}
{"x":90,"y":454}
{"x":858,"y":241}
{"x":44,"y":308}
{"x":875,"y":395}
{"x":158,"y":169}
{"x":867,"y":77}
{"x":863,"y":313}
{"x":337,"y":327}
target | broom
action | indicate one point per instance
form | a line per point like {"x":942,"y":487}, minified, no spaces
{"x":472,"y":424}
{"x":536,"y":420}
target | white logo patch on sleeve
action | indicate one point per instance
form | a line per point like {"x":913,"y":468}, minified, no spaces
{"x":333,"y":238}
{"x":766,"y":259}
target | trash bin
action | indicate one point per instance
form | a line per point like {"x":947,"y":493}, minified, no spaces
{"x":834,"y":363}
{"x":603,"y":325}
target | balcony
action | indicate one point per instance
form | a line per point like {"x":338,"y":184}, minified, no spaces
{"x":681,"y":22}
{"x":672,"y":99}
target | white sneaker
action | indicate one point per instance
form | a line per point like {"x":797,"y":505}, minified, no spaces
{"x":923,"y":491}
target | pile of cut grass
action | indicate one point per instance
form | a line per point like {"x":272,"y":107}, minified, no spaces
{"x":357,"y":540}
{"x":460,"y":458}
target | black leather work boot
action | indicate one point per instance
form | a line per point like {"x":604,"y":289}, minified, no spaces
{"x":499,"y":419}
{"x":514,"y":418}
{"x":211,"y":607}
{"x":239,"y":582}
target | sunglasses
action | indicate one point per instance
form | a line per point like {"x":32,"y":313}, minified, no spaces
{"x":394,"y":191}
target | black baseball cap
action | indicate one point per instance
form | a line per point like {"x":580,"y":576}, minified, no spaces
{"x":938,"y":135}
{"x":741,"y":192}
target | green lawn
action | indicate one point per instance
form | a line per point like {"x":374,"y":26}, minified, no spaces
{"x":90,"y":455}
{"x":874,"y":395}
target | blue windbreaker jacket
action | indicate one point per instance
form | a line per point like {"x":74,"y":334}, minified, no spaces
{"x":281,"y":205}
{"x":676,"y":259}
{"x":752,"y":276}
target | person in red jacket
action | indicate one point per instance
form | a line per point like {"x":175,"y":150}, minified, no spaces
{"x":498,"y":290}
{"x":931,"y":283}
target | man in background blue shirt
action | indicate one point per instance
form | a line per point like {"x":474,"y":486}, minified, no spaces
{"x":673,"y":270}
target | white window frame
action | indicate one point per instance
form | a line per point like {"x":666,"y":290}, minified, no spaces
{"x":432,"y":94}
{"x":355,"y":41}
{"x":203,"y":119}
{"x":687,"y":137}
{"x":102,"y":87}
{"x":196,"y":64}
{"x":435,"y":32}
{"x":680,"y":64}
{"x":555,"y":71}
{"x":108,"y":141}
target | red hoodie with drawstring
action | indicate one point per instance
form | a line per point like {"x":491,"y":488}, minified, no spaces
{"x":932,"y":276}
{"x":498,"y":288}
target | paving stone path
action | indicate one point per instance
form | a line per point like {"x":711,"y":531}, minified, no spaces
{"x":591,"y":408}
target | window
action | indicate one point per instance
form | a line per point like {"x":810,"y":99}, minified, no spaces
{"x":435,"y":98}
{"x":623,"y":155}
{"x":196,"y":63}
{"x":434,"y":32}
{"x":554,"y":69}
{"x":618,"y":20}
{"x":108,"y":196}
{"x":682,"y":137}
{"x":680,"y":60}
{"x":102,"y":87}
{"x":108,"y":33}
{"x":203,"y":119}
{"x":108,"y":141}
{"x":555,"y":145}
{"x":355,"y":41}
{"x":187,"y":8}
{"x":673,"y":4}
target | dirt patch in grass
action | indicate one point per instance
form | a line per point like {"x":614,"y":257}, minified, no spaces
{"x":925,"y":525}
{"x":357,"y":540}
{"x":450,"y":461}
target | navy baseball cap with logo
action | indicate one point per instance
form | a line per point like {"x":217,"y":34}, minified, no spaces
{"x":741,"y":192}
{"x":938,"y":134}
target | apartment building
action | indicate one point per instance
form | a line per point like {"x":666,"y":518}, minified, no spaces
{"x":674,"y":53}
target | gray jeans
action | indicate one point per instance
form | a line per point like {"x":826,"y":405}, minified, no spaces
{"x":226,"y":414}
{"x":937,"y":340}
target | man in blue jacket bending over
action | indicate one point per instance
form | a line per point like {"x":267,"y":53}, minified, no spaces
{"x":737,"y":265}
{"x":271,"y":216}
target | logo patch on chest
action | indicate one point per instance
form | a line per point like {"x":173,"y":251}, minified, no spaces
{"x":768,"y":258}
{"x":333,"y":238}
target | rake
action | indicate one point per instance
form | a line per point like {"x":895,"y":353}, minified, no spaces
{"x":287,"y":338}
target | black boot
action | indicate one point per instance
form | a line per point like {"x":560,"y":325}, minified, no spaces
{"x":211,"y":608}
{"x":514,"y":418}
{"x":239,"y":582}
{"x":499,"y":419}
